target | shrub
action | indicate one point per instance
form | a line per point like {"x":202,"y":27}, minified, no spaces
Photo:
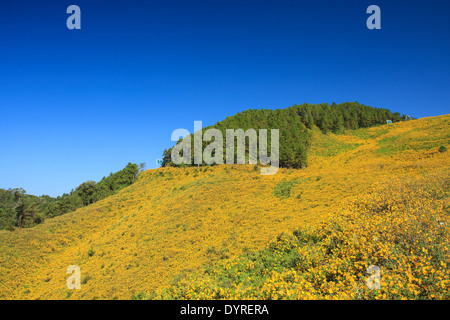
{"x":91,"y":252}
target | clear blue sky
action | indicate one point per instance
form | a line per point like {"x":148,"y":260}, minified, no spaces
{"x":76,"y":105}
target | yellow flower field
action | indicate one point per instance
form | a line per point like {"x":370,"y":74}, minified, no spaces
{"x":174,"y":222}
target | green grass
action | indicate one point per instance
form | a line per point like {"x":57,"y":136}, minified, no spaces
{"x":283,"y":189}
{"x":370,"y":133}
{"x":392,"y":145}
{"x":329,"y":146}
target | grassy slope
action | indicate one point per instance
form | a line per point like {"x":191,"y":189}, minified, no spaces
{"x":175,"y":220}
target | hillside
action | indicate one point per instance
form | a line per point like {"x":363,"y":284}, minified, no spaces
{"x":175,"y":221}
{"x":294,"y":124}
{"x":18,"y":209}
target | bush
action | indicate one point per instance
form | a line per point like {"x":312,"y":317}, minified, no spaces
{"x":283,"y":189}
{"x":91,"y":252}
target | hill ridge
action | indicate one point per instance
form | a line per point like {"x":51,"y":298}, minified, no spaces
{"x":175,"y":220}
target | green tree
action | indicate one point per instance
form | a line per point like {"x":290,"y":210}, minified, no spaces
{"x":27,"y":213}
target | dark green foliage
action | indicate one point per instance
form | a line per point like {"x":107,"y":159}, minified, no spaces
{"x":18,"y":209}
{"x":88,"y":192}
{"x":442,"y":149}
{"x":27,"y":212}
{"x":294,"y":124}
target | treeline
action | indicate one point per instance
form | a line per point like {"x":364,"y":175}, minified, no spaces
{"x":295,"y":124}
{"x":18,"y":209}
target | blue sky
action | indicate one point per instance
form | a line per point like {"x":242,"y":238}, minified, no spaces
{"x":76,"y":105}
